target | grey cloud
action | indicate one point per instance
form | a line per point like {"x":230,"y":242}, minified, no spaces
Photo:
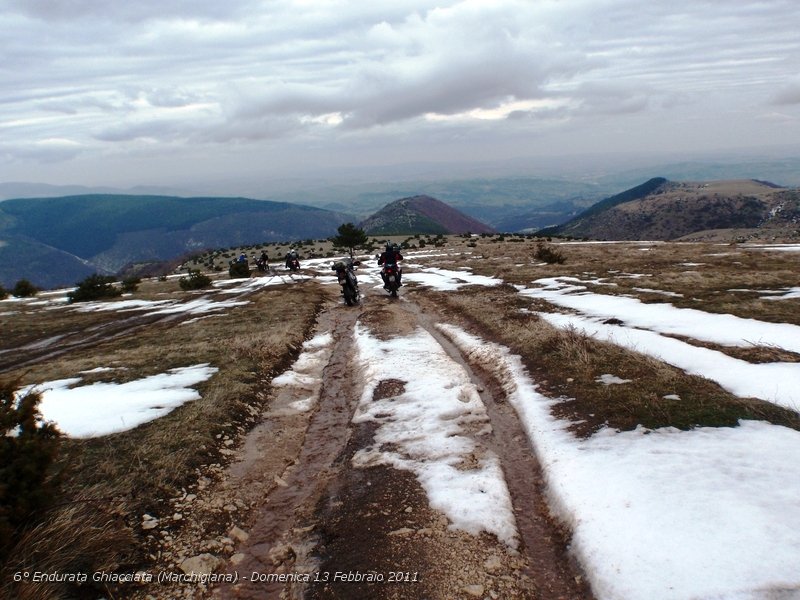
{"x":40,"y":153}
{"x":106,"y":73}
{"x":788,"y":95}
{"x":140,"y":10}
{"x":158,"y":130}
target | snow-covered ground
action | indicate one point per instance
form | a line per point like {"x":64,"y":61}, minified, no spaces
{"x":727,"y":330}
{"x":778,"y":382}
{"x":665,"y":514}
{"x":644,"y":325}
{"x":427,"y":428}
{"x":303,"y":381}
{"x":83,"y":411}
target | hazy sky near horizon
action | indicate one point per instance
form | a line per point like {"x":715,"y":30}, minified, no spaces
{"x":100,"y":92}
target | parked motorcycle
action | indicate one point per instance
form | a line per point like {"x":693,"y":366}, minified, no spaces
{"x":345,"y":273}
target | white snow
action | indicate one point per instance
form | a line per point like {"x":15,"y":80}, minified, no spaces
{"x":449,"y":280}
{"x":773,"y":247}
{"x":787,"y":294}
{"x":431,"y":429}
{"x":665,"y":514}
{"x":200,"y":306}
{"x":609,"y":379}
{"x":778,"y":383}
{"x":242,"y":286}
{"x":724,"y":329}
{"x":660,"y":292}
{"x":122,"y":305}
{"x":299,"y":387}
{"x":104,"y":408}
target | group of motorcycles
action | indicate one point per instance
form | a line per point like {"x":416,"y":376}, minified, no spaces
{"x":345,"y":273}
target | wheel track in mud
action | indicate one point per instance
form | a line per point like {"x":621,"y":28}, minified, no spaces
{"x":290,"y":506}
{"x":324,"y":518}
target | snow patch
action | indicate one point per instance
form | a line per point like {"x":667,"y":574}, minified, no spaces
{"x":608,"y":379}
{"x":105,"y":408}
{"x":430,"y":430}
{"x":664,"y":514}
{"x":778,"y":383}
{"x":724,"y":329}
{"x":304,"y":379}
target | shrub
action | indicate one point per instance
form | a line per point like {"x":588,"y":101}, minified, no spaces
{"x":3,"y":293}
{"x":239,"y":270}
{"x":24,"y":289}
{"x":549,"y":255}
{"x":28,"y":448}
{"x":194,"y":281}
{"x":94,"y":287}
{"x":130,"y":284}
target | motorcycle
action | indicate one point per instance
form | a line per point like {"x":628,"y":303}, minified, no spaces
{"x":345,"y":273}
{"x":391,"y":278}
{"x":293,"y":264}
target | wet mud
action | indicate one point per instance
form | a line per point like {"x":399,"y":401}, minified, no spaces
{"x":279,"y":533}
{"x":350,"y":532}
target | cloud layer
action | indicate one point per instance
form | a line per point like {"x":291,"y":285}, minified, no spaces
{"x":115,"y":88}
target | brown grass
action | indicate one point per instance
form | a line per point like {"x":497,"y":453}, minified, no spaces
{"x":81,"y":536}
{"x":138,"y":471}
{"x":567,"y":363}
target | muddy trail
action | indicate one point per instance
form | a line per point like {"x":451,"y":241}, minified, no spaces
{"x":327,"y":521}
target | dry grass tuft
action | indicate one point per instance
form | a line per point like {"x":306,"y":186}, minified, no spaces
{"x":80,"y":537}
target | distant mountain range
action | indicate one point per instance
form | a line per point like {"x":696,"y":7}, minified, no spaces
{"x":667,"y":210}
{"x":421,"y":214}
{"x":58,"y":241}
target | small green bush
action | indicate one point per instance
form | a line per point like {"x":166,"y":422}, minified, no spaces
{"x":194,"y":281}
{"x":24,"y":289}
{"x":239,"y":270}
{"x":130,"y":284}
{"x":94,"y":287}
{"x":28,"y":448}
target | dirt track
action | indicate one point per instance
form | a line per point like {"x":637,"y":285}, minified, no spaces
{"x":357,"y":532}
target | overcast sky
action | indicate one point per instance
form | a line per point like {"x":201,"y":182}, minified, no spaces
{"x":119,"y":92}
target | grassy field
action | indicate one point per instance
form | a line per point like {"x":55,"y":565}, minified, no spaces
{"x":705,"y":277}
{"x":110,"y":482}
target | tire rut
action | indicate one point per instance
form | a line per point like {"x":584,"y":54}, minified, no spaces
{"x":343,"y":525}
{"x":279,"y":540}
{"x":549,"y":563}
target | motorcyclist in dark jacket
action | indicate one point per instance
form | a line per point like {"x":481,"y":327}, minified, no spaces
{"x":291,"y":256}
{"x":390,"y":256}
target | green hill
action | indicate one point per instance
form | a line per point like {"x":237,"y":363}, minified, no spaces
{"x":105,"y":232}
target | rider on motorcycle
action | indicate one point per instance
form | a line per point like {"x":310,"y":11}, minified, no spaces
{"x":291,"y":256}
{"x":390,"y":256}
{"x":345,"y":272}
